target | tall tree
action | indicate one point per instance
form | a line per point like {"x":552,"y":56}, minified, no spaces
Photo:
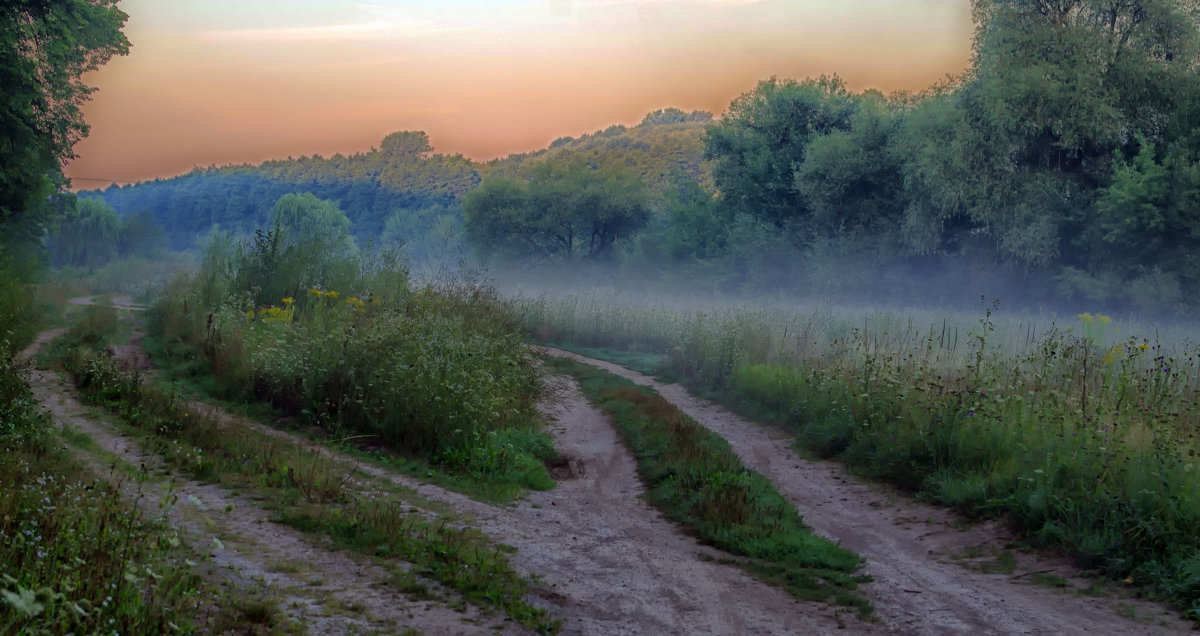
{"x":45,"y":48}
{"x":851,"y":179}
{"x":87,"y":236}
{"x":763,"y":137}
{"x":1012,"y":155}
{"x":303,"y":219}
{"x":405,"y":146}
{"x":568,"y":211}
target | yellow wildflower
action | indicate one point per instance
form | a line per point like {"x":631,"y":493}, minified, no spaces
{"x":332,"y":294}
{"x":289,"y":300}
{"x":1118,"y":351}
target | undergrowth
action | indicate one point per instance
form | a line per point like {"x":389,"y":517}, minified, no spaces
{"x":344,"y":342}
{"x":696,"y":480}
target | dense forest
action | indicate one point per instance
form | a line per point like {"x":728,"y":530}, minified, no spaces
{"x":1062,"y":164}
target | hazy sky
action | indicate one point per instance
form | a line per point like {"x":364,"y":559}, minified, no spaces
{"x":234,"y":81}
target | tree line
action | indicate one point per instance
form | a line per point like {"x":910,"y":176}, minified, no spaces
{"x":400,"y":192}
{"x":1063,"y":163}
{"x":46,"y":46}
{"x":1065,"y":159}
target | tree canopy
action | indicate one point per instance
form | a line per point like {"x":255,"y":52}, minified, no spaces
{"x":303,"y":219}
{"x":567,"y":211}
{"x":45,"y":48}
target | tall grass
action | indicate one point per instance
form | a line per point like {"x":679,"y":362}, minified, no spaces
{"x":438,"y":372}
{"x":1084,"y":441}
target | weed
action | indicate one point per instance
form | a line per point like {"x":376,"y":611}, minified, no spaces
{"x":440,"y":371}
{"x":75,"y":556}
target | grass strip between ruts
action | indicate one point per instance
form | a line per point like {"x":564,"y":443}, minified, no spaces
{"x":697,"y":481}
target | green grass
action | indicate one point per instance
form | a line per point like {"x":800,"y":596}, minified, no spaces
{"x":75,"y":556}
{"x":652,"y":364}
{"x":438,"y":373}
{"x":308,"y":488}
{"x":1083,"y":437}
{"x":697,"y":481}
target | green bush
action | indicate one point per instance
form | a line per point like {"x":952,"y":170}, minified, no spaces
{"x":437,"y":372}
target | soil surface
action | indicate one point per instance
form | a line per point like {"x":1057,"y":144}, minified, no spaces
{"x":919,"y":587}
{"x":605,"y":562}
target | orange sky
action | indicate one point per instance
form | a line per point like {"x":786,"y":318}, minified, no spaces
{"x":236,"y":81}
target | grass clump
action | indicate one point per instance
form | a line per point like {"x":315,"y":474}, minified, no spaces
{"x":696,"y":480}
{"x":345,"y":342}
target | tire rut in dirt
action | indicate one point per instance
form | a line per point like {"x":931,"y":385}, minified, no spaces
{"x":611,"y":564}
{"x":908,"y":545}
{"x":607,"y":562}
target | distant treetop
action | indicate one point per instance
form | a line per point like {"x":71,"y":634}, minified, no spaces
{"x":666,"y":116}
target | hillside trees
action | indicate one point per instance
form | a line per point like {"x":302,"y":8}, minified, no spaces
{"x":568,"y":211}
{"x":668,"y":116}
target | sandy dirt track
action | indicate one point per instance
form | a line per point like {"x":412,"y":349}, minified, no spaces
{"x":326,"y":590}
{"x":917,"y":588}
{"x":610,"y":564}
{"x":607,"y":563}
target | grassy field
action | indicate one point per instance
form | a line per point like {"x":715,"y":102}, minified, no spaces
{"x":1083,"y":436}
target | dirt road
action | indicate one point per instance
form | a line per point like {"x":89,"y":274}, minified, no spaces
{"x":918,"y":589}
{"x":326,"y":590}
{"x":609,"y":564}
